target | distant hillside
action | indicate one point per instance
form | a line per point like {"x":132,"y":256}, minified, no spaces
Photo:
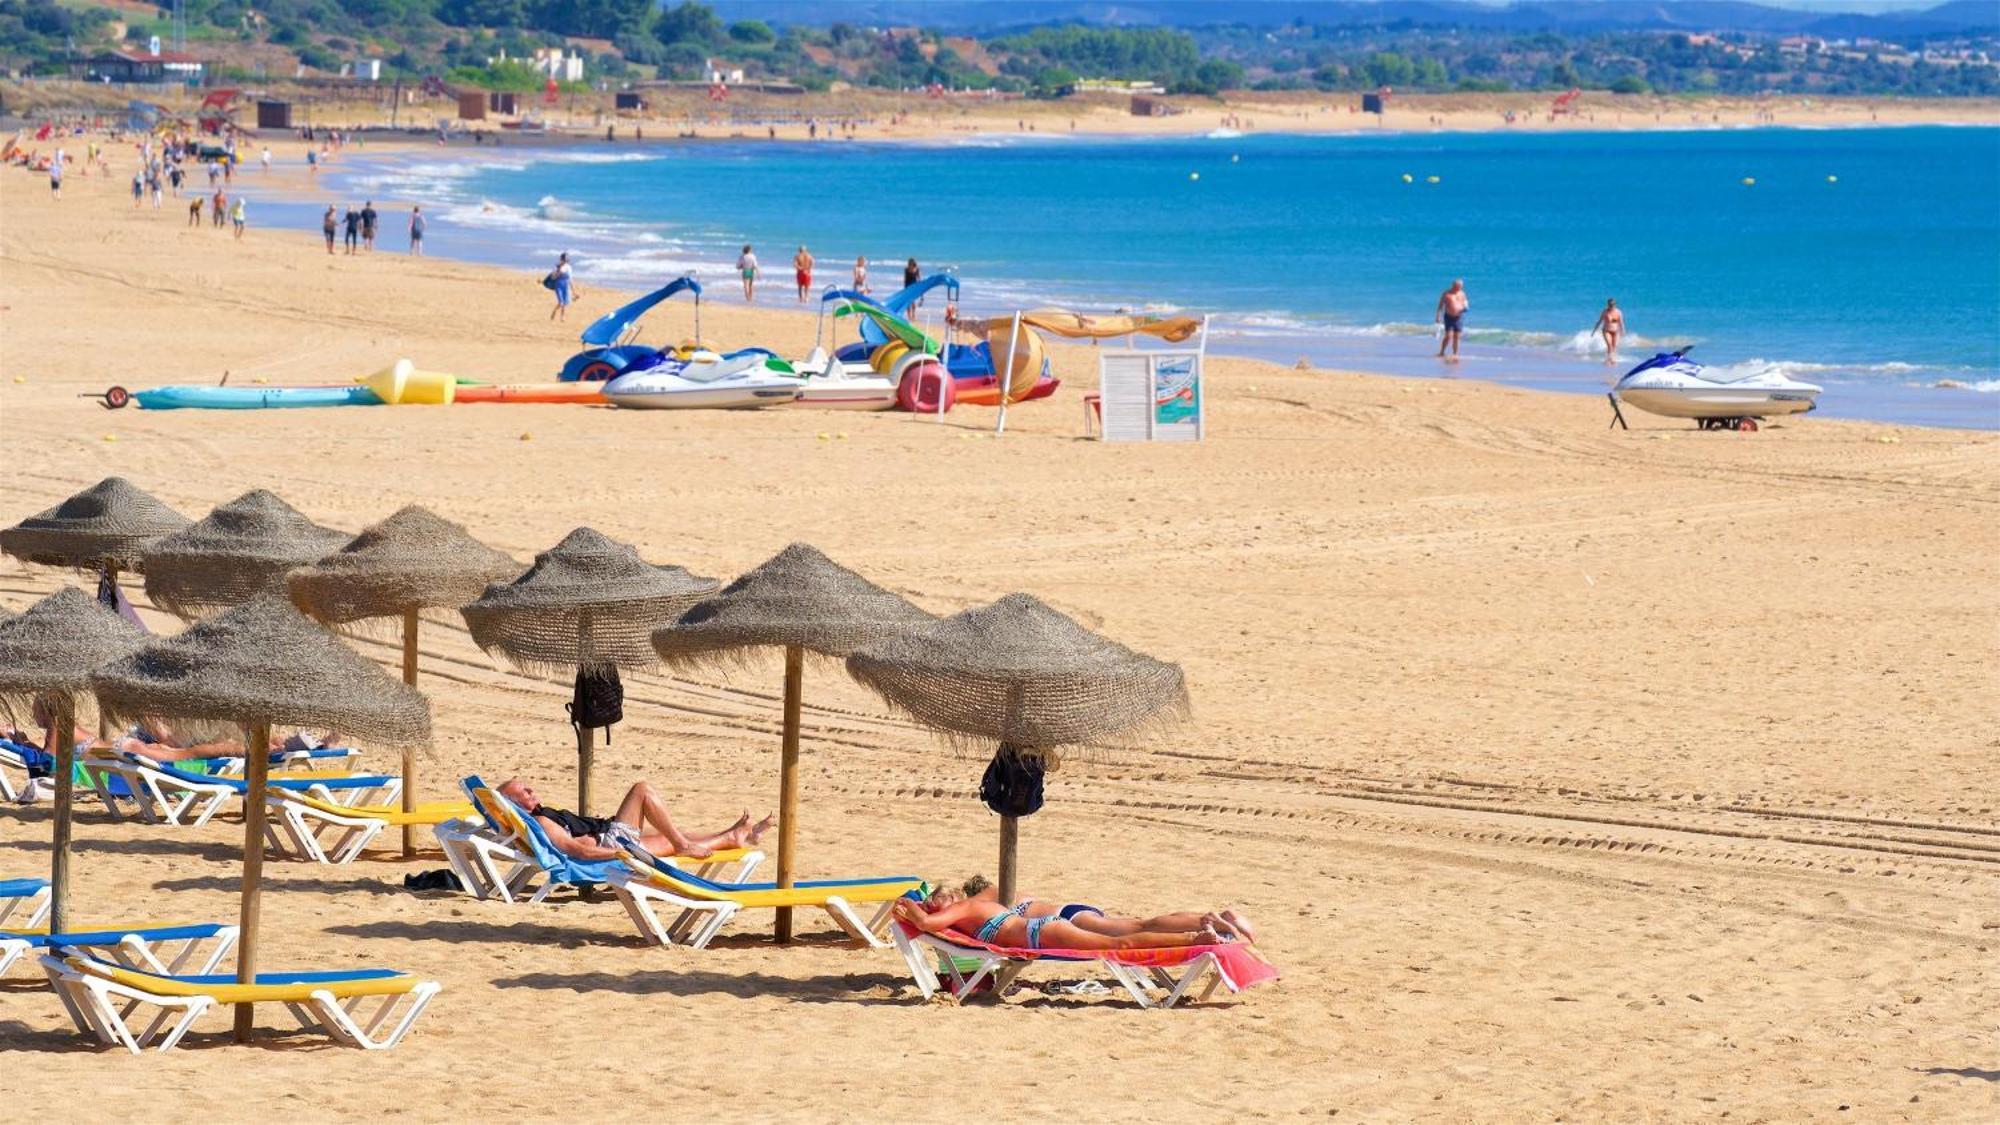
{"x":1950,"y":17}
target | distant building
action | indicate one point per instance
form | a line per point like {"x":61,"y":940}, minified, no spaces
{"x":144,"y":66}
{"x":554,"y":62}
{"x":1116,"y":86}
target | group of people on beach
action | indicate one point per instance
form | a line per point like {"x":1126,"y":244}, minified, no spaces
{"x":357,"y":228}
{"x":1453,"y":303}
{"x":803,"y":262}
{"x":163,"y":169}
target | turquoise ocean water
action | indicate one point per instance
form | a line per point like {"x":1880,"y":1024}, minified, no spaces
{"x":1867,"y":260}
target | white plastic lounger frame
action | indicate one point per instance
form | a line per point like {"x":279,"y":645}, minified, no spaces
{"x":699,"y":920}
{"x":10,"y":761}
{"x":194,"y":802}
{"x":89,"y":997}
{"x":320,"y":835}
{"x":1003,"y":969}
{"x":36,"y":905}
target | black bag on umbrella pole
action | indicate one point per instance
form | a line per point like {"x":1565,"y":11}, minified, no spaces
{"x":599,"y":700}
{"x":1013,"y":782}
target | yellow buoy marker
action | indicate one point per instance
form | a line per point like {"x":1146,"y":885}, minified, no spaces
{"x":1409,"y":179}
{"x":1194,"y":175}
{"x":1749,"y":181}
{"x":1430,"y":179}
{"x":1235,"y":159}
{"x":1833,"y":179}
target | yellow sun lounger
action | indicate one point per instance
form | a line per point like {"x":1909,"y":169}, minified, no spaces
{"x":331,"y":1002}
{"x":325,"y":832}
{"x":706,"y":905}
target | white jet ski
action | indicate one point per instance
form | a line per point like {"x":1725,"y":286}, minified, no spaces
{"x":705,"y":380}
{"x":1674,"y":386}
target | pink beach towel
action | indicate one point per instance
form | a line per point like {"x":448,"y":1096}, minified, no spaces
{"x":1240,"y":963}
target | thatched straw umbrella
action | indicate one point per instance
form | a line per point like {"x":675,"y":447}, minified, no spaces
{"x":589,"y":604}
{"x":105,"y":528}
{"x":236,"y":552}
{"x":259,"y":664}
{"x":48,"y":654}
{"x":800,"y":601}
{"x":411,"y":562}
{"x":1026,"y":676}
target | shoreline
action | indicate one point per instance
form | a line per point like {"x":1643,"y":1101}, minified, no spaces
{"x":1493,"y":353}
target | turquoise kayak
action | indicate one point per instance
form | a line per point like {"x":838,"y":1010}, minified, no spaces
{"x":252,"y":398}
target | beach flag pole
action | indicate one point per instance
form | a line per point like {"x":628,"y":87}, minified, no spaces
{"x":409,"y":753}
{"x":788,"y":784}
{"x":1007,"y":376}
{"x":256,"y":752}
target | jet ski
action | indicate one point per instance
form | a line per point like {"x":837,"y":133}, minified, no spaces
{"x":1674,"y":386}
{"x":706,"y":380}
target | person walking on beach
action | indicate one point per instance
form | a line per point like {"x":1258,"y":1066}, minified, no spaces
{"x":802,"y":272}
{"x":368,"y":217}
{"x":327,"y":223}
{"x":911,"y":274}
{"x":1451,"y":308}
{"x":861,"y":273}
{"x":1611,"y":325}
{"x":312,"y":162}
{"x":138,"y":189}
{"x":55,"y":176}
{"x":417,"y":231}
{"x":218,"y":207}
{"x":560,"y":280}
{"x":351,"y":229}
{"x":267,"y":158}
{"x":746,"y":264}
{"x":236,"y":217}
{"x":194,"y":212}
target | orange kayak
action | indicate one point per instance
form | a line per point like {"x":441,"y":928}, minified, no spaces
{"x":581,"y":393}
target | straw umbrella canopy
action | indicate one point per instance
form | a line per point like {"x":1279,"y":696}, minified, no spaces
{"x":1028,"y":677}
{"x":105,"y":528}
{"x":259,"y":664}
{"x":800,"y":601}
{"x":236,"y":552}
{"x":48,"y":654}
{"x":411,"y":562}
{"x":589,"y":604}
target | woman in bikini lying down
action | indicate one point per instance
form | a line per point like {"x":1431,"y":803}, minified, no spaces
{"x":1030,"y":924}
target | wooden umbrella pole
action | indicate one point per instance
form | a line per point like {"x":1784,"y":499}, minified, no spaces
{"x":409,"y":752}
{"x":788,"y":783}
{"x":256,"y":753}
{"x":1010,"y":840}
{"x":62,"y":743}
{"x":586,"y":748}
{"x":104,"y":720}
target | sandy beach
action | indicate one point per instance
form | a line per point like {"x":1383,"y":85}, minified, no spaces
{"x":1568,"y":773}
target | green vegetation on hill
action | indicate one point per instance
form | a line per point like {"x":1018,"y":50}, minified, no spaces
{"x":458,"y":37}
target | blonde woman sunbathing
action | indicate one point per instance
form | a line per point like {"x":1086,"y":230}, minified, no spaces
{"x":1034,"y":925}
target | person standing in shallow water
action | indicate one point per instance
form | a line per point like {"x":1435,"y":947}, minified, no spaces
{"x":1451,"y":308}
{"x":1611,"y":325}
{"x":802,"y":272}
{"x":416,"y":231}
{"x":746,"y":264}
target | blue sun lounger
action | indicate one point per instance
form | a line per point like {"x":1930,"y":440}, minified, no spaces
{"x":28,"y":898}
{"x":150,"y":948}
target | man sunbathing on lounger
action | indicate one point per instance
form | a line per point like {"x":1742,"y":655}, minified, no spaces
{"x":155,"y":739}
{"x":641,"y":820}
{"x":1035,"y":925}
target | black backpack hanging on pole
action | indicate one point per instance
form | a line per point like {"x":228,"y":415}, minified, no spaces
{"x":598,"y":701}
{"x":1013,"y":782}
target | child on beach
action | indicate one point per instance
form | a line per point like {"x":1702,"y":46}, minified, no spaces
{"x":746,"y":264}
{"x":236,"y":216}
{"x":802,"y":272}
